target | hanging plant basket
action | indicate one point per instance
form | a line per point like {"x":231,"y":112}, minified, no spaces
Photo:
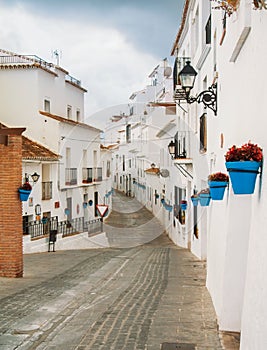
{"x":217,"y":185}
{"x":243,"y":176}
{"x":24,"y":194}
{"x":204,"y":199}
{"x":183,"y":204}
{"x":24,"y":191}
{"x":217,"y":189}
{"x":195,"y":200}
{"x":243,"y":165}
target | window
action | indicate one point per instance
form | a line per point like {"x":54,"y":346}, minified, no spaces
{"x":179,"y":213}
{"x":108,"y":168}
{"x":123,"y":163}
{"x":78,"y":115}
{"x":208,"y":31}
{"x":47,"y":105}
{"x":128,"y":133}
{"x":203,"y":133}
{"x":69,"y":112}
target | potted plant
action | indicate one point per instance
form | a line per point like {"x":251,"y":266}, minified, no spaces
{"x":183,"y":204}
{"x":243,"y":165}
{"x":217,"y":184}
{"x":229,"y":6}
{"x":204,"y":197}
{"x":24,"y":191}
{"x":195,"y":199}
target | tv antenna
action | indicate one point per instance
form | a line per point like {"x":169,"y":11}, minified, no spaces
{"x":57,"y":54}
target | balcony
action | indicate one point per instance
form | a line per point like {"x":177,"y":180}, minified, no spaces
{"x":87,"y":175}
{"x":182,"y":146}
{"x":97,"y":172}
{"x":70,"y":176}
{"x":47,"y":190}
{"x":179,"y":93}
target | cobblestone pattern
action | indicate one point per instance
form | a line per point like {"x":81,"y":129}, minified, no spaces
{"x":20,"y":304}
{"x":126,"y":323}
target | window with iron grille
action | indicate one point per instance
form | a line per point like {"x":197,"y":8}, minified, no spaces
{"x":47,"y":190}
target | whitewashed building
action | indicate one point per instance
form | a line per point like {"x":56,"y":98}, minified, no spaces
{"x":225,"y":45}
{"x":46,"y":100}
{"x":136,"y":159}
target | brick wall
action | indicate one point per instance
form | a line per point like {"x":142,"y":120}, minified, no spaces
{"x":11,"y":258}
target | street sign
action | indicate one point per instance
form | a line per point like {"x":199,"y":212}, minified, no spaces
{"x":102,"y":209}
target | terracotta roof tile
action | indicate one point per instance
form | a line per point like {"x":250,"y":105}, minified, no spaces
{"x":34,"y":151}
{"x":153,"y":171}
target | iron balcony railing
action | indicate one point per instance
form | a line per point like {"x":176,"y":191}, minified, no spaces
{"x":47,"y":190}
{"x":70,"y":176}
{"x":73,"y":80}
{"x":42,"y":228}
{"x":94,"y":226}
{"x":25,"y":59}
{"x":39,"y":228}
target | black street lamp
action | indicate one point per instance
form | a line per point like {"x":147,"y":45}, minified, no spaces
{"x":35,"y":177}
{"x":208,"y":97}
{"x":171,"y":147}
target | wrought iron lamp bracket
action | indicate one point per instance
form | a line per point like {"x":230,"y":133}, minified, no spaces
{"x":207,"y":97}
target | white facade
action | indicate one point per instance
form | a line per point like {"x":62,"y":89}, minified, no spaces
{"x":50,"y":104}
{"x":232,"y":231}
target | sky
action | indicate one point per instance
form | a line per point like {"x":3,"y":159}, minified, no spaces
{"x":110,"y":45}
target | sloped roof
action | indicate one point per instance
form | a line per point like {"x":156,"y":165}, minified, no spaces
{"x":178,"y":36}
{"x":32,"y":150}
{"x":153,"y":171}
{"x":69,"y":121}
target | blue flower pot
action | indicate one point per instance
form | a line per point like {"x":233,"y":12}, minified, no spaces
{"x":217,"y":189}
{"x":204,"y":199}
{"x":243,"y":176}
{"x":183,"y":206}
{"x":24,"y":194}
{"x":195,"y":201}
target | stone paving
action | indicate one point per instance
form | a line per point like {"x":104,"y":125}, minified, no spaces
{"x":139,"y":297}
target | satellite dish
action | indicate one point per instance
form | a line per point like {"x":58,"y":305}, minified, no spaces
{"x":167,"y":72}
{"x":164,"y":173}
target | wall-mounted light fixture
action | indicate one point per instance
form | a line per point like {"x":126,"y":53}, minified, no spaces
{"x":171,"y":148}
{"x":208,"y":97}
{"x":34,"y":176}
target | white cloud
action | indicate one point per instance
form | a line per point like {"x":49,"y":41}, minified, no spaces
{"x":108,"y":65}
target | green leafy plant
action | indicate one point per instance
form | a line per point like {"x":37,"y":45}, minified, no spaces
{"x":218,"y":177}
{"x":247,"y":152}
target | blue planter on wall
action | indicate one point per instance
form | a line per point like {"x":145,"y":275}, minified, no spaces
{"x":195,"y":201}
{"x":243,"y":175}
{"x":204,"y":199}
{"x":183,"y":205}
{"x":217,"y":189}
{"x":24,"y":194}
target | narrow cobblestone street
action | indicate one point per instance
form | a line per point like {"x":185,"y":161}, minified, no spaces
{"x":136,"y":295}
